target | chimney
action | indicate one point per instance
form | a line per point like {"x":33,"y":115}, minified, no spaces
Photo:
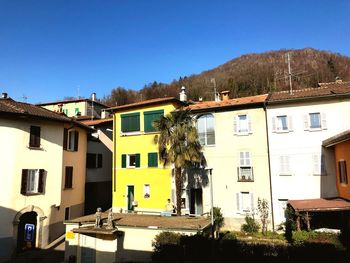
{"x":104,"y":114}
{"x":200,"y":99}
{"x":225,"y":95}
{"x":338,"y":80}
{"x":183,"y":96}
{"x":93,"y":96}
{"x":60,"y":108}
{"x":4,"y":95}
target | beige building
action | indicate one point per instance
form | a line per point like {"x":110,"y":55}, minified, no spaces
{"x":43,"y":174}
{"x":234,"y":136}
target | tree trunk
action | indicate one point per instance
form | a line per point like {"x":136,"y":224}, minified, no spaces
{"x":178,"y":185}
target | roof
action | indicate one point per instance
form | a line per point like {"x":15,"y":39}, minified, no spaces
{"x":343,"y":136}
{"x":70,"y":101}
{"x":150,"y":221}
{"x":244,"y":101}
{"x":20,"y":109}
{"x":333,"y":89}
{"x":96,"y":122}
{"x":320,"y":205}
{"x":147,"y":103}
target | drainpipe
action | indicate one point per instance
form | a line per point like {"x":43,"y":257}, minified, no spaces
{"x":268,"y":157}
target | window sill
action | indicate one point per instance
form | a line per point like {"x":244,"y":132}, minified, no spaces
{"x":283,"y":131}
{"x":67,"y":150}
{"x":286,"y":174}
{"x":243,"y":133}
{"x":35,"y":148}
{"x":245,"y":180}
{"x":123,"y":134}
{"x":32,"y":194}
{"x":68,"y":188}
{"x":208,"y":145}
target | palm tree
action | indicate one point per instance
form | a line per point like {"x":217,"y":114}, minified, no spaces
{"x":178,"y":144}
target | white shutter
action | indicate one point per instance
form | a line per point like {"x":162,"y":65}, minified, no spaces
{"x":324,"y":121}
{"x":274,"y":124}
{"x":248,"y":159}
{"x":306,"y":122}
{"x":235,"y":128}
{"x":251,"y":202}
{"x":238,"y":202}
{"x":241,"y":159}
{"x":249,"y":124}
{"x":290,"y":123}
{"x":316,"y":164}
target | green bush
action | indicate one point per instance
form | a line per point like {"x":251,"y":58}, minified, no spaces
{"x":251,"y":226}
{"x":300,"y":237}
{"x":166,"y":247}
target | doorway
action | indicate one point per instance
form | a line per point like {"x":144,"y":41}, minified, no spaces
{"x":196,"y":201}
{"x":130,"y":196}
{"x":26,"y":234}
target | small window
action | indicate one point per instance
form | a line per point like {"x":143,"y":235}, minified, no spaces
{"x":152,"y":159}
{"x":282,"y":124}
{"x":32,"y":181}
{"x":206,"y":131}
{"x":146,"y":191}
{"x":67,"y":213}
{"x":94,"y":160}
{"x":315,"y":121}
{"x":343,"y":176}
{"x":76,"y":110}
{"x":245,"y":168}
{"x":245,"y":202}
{"x":242,"y":125}
{"x":34,"y":139}
{"x":130,"y":122}
{"x":68,"y":179}
{"x":284,"y":165}
{"x":73,"y":140}
{"x":150,"y":117}
{"x":131,"y":160}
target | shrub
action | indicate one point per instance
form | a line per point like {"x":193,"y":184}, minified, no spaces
{"x":166,"y":247}
{"x":300,"y":237}
{"x":251,"y":226}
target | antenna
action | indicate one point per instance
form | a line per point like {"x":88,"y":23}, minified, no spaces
{"x":78,"y":90}
{"x":289,"y":74}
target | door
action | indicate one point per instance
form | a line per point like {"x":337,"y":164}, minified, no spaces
{"x":26,"y":234}
{"x":196,"y":203}
{"x":130,"y":197}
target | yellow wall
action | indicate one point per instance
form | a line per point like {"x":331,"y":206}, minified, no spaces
{"x":158,"y":178}
{"x":342,"y":152}
{"x":70,"y":107}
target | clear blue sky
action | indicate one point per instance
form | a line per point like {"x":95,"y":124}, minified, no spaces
{"x":53,"y":48}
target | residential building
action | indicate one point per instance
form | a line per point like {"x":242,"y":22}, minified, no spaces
{"x":233,"y":133}
{"x":298,"y":122}
{"x":98,"y":186}
{"x":81,"y":108}
{"x":43,"y":175}
{"x":140,"y":181}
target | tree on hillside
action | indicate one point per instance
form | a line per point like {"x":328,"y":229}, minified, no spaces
{"x":178,"y":144}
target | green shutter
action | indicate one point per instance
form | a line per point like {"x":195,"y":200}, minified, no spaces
{"x":123,"y":160}
{"x":149,"y":117}
{"x":152,"y":159}
{"x":130,"y":122}
{"x":137,"y":160}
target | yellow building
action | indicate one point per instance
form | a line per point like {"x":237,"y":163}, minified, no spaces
{"x":140,"y":182}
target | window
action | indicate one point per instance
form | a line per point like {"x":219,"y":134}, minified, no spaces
{"x":282,"y":123}
{"x":245,"y":202}
{"x":242,"y":125}
{"x":343,"y":176}
{"x":34,"y":138}
{"x":67,"y":213}
{"x":94,"y":160}
{"x":65,"y":111}
{"x":72,"y":139}
{"x":284,"y":165}
{"x":282,"y":206}
{"x":318,"y":163}
{"x":146,"y":191}
{"x":131,"y":160}
{"x":32,"y":181}
{"x":245,"y":169}
{"x":68,"y":179}
{"x":76,"y":110}
{"x":315,"y":121}
{"x":206,"y":131}
{"x":149,"y":117}
{"x":130,"y":122}
{"x":152,"y":159}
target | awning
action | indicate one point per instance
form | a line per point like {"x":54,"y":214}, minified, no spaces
{"x":320,"y":205}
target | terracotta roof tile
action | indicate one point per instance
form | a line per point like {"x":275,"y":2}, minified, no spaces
{"x":343,"y":136}
{"x":96,"y":122}
{"x":69,"y":101}
{"x":147,"y":102}
{"x":320,"y":204}
{"x":228,"y":103}
{"x":324,"y":90}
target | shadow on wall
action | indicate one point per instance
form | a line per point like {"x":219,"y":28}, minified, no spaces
{"x":328,"y":179}
{"x":7,"y":240}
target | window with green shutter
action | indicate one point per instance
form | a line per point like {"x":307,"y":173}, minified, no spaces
{"x":131,"y":160}
{"x":152,"y":159}
{"x":130,"y":122}
{"x":149,"y":117}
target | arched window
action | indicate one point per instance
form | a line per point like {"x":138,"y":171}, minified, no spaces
{"x":206,"y":131}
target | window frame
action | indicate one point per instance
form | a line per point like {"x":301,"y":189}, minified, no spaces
{"x":147,"y":191}
{"x":35,"y":137}
{"x":153,"y":160}
{"x":343,"y":173}
{"x":284,"y":161}
{"x":125,"y":127}
{"x":149,"y":117}
{"x":39,"y":182}
{"x":125,"y":160}
{"x":237,"y":125}
{"x":308,"y":121}
{"x":240,"y":199}
{"x":72,"y":141}
{"x":68,"y":177}
{"x":244,"y":163}
{"x":94,"y":160}
{"x":205,"y":133}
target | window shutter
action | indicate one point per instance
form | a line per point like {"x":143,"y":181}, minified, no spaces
{"x":274,"y":119}
{"x":248,"y":159}
{"x":251,"y":202}
{"x":238,"y":173}
{"x":235,"y":128}
{"x":76,"y":140}
{"x":306,"y":122}
{"x":99,"y":160}
{"x":24,"y":181}
{"x":290,"y":123}
{"x":152,"y":159}
{"x":34,"y":140}
{"x":238,"y":202}
{"x":41,"y":181}
{"x":137,"y":160}
{"x":324,"y":121}
{"x":123,"y":160}
{"x":65,"y":138}
{"x":249,"y":124}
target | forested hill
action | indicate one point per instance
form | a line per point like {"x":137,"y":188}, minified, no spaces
{"x":246,"y":75}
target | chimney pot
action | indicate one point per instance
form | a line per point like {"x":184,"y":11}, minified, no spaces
{"x":183,"y":96}
{"x":225,"y":95}
{"x":338,"y":80}
{"x":4,"y":95}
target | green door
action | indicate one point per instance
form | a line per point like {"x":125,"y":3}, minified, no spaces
{"x":130,"y":197}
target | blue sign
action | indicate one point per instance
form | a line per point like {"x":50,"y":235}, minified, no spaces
{"x":29,"y":231}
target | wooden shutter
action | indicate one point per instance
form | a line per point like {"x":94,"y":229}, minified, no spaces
{"x":34,"y":140}
{"x":90,"y":160}
{"x":76,"y":140}
{"x":65,"y":138}
{"x":41,"y":181}
{"x":235,"y":128}
{"x":123,"y":160}
{"x":152,"y":159}
{"x":137,"y":160}
{"x":24,"y":181}
{"x":274,"y":124}
{"x":323,"y":120}
{"x":149,"y":117}
{"x":99,"y":160}
{"x":68,"y":182}
{"x":130,"y":122}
